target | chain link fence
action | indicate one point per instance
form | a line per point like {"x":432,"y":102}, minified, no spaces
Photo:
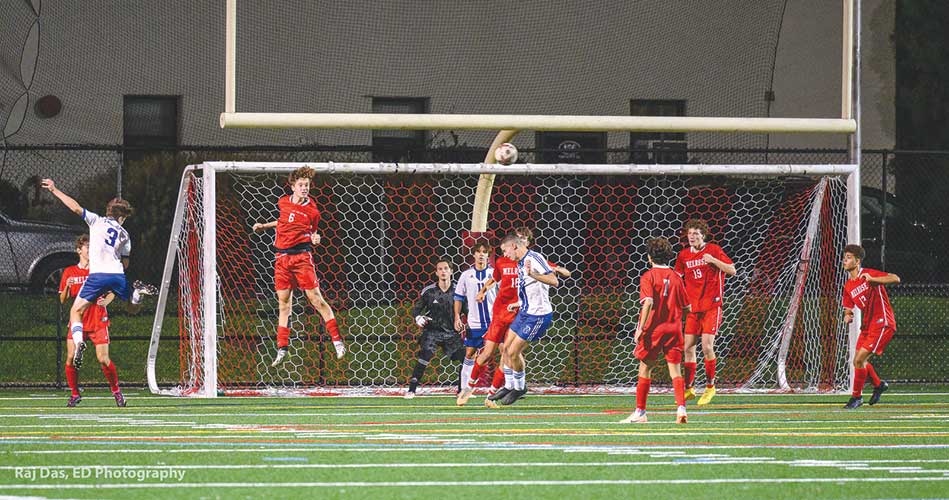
{"x":903,"y":204}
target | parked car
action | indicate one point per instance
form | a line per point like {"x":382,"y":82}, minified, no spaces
{"x":34,"y":254}
{"x":912,"y":238}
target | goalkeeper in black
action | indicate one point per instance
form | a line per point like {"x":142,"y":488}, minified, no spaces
{"x":434,"y":313}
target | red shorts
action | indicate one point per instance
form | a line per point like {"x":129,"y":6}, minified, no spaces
{"x":98,"y":337}
{"x":295,"y":271}
{"x":703,"y":323}
{"x":500,"y":324}
{"x":875,"y":339}
{"x":664,"y":339}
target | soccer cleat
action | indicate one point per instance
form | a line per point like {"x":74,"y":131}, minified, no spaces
{"x":144,"y":288}
{"x":77,"y":358}
{"x":464,"y":395}
{"x":499,"y":394}
{"x":681,"y":417}
{"x":281,"y":355}
{"x":409,"y":395}
{"x":637,"y":417}
{"x":690,"y":394}
{"x":491,"y":404}
{"x":854,"y":403}
{"x":513,"y":396}
{"x":340,"y":349}
{"x":119,"y":399}
{"x":707,"y":396}
{"x":74,"y":401}
{"x":877,"y":392}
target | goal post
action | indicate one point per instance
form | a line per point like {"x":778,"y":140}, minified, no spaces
{"x":383,"y":224}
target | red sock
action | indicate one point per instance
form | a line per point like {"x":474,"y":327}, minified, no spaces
{"x":689,"y":373}
{"x":498,"y":381}
{"x":642,"y":391}
{"x":710,"y":372}
{"x":678,"y":387}
{"x":112,"y":375}
{"x":283,"y":336}
{"x":334,"y":330}
{"x":859,"y":379}
{"x":874,"y":379}
{"x":72,"y":378}
{"x":475,"y":374}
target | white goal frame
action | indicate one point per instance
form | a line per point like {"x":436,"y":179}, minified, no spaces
{"x":209,"y":251}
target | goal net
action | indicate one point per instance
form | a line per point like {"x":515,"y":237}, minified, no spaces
{"x":383,"y":227}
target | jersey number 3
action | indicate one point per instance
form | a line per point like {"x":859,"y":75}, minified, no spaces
{"x":113,"y":235}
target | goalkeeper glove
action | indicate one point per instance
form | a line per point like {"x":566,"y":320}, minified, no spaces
{"x":422,"y":320}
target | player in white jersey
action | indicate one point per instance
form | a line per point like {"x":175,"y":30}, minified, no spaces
{"x":535,"y":277}
{"x":479,"y":312}
{"x":109,"y":248}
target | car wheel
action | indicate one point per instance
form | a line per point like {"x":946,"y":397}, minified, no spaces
{"x":48,"y":274}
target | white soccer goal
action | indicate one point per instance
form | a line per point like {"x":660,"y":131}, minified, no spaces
{"x":385,"y":224}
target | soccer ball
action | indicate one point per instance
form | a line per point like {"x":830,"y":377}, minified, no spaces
{"x":506,"y":154}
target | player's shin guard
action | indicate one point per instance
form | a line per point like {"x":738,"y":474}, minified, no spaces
{"x":678,"y":388}
{"x":872,"y":374}
{"x":520,"y":382}
{"x":111,"y":375}
{"x":476,"y":370}
{"x":283,"y":336}
{"x":642,"y":392}
{"x":467,"y":368}
{"x":333,"y":330}
{"x":508,"y":378}
{"x":689,"y":373}
{"x":859,"y":379}
{"x":710,"y":372}
{"x":417,"y":373}
{"x":497,"y":381}
{"x":76,"y":330}
{"x":72,"y":378}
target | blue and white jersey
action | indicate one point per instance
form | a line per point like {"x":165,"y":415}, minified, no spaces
{"x":470,"y":282}
{"x":534,"y":295}
{"x":108,"y":243}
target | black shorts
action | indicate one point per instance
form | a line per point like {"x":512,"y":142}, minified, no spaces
{"x":450,"y":342}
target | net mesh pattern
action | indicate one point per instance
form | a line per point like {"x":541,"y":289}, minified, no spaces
{"x":382,"y":234}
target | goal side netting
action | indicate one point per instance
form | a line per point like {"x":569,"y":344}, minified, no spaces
{"x":383,"y":227}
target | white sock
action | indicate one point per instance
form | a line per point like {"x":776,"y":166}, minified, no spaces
{"x":519,"y":382}
{"x":466,"y":367}
{"x":76,"y":330}
{"x":508,"y":378}
{"x":136,"y":296}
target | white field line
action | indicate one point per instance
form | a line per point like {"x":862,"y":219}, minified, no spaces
{"x":139,"y":396}
{"x":857,"y":465}
{"x":380,"y":484}
{"x":502,"y":447}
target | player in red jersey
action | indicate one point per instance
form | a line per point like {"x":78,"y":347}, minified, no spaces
{"x":296,"y":236}
{"x":866,"y":290}
{"x":95,"y":326}
{"x":703,"y":266}
{"x":505,"y":276}
{"x":659,"y":331}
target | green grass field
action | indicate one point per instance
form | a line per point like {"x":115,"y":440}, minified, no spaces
{"x":740,"y":446}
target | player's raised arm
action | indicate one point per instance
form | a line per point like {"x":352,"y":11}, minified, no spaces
{"x":547,"y":279}
{"x":263,"y":226}
{"x":67,"y":200}
{"x":884,"y":279}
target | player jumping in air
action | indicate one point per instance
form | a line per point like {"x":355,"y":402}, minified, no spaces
{"x":479,"y":312}
{"x":866,"y":290}
{"x":95,"y":324}
{"x":434,"y":313}
{"x":296,"y":236}
{"x":109,"y":249}
{"x":659,"y":330}
{"x":534,"y":312}
{"x":703,"y":266}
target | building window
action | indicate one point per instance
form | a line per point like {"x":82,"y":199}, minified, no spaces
{"x":658,"y":147}
{"x":399,"y":145}
{"x":572,"y":147}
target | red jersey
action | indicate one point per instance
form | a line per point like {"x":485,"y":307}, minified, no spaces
{"x":667,"y":292}
{"x":296,"y":222}
{"x":704,"y":283}
{"x":95,"y":317}
{"x":505,"y":274}
{"x":871,"y":299}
